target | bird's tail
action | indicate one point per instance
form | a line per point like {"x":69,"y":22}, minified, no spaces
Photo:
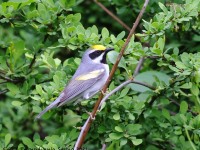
{"x":52,"y":105}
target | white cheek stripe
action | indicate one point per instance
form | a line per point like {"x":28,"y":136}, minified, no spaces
{"x":98,"y":59}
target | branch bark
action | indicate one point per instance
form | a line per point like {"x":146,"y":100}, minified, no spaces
{"x":89,"y":121}
{"x":112,"y":15}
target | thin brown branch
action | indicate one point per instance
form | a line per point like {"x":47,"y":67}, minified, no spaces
{"x":112,"y":15}
{"x":88,"y":123}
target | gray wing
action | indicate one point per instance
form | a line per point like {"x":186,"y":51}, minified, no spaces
{"x":76,"y":87}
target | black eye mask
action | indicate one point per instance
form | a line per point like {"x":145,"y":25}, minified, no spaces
{"x":95,"y":54}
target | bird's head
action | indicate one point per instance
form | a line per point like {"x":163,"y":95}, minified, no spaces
{"x":96,"y":54}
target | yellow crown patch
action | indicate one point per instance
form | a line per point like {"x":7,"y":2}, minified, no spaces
{"x":98,"y":47}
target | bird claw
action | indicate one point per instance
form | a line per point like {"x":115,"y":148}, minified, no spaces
{"x":104,"y":93}
{"x":90,"y":114}
{"x":79,"y":128}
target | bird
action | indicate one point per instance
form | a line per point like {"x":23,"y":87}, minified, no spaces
{"x":88,"y":79}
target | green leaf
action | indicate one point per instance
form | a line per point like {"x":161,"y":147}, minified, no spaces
{"x":149,"y":78}
{"x":113,"y":39}
{"x":37,"y":109}
{"x":163,"y":7}
{"x":39,"y":89}
{"x":118,"y":128}
{"x":180,"y":65}
{"x":136,"y":141}
{"x":124,"y":92}
{"x":116,"y":116}
{"x":120,"y":36}
{"x":123,"y":141}
{"x":133,"y":129}
{"x":166,"y":114}
{"x":19,"y":49}
{"x":183,"y":107}
{"x":51,"y":62}
{"x":195,"y":89}
{"x":112,"y":56}
{"x":28,"y":142}
{"x":115,"y":136}
{"x":13,"y":88}
{"x":105,"y":33}
{"x":7,"y":139}
{"x":186,"y":85}
{"x":16,"y":103}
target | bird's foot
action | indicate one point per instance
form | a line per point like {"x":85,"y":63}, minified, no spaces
{"x":79,"y":128}
{"x":90,"y":114}
{"x":104,"y":93}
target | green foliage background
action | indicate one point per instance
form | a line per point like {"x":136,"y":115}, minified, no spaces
{"x":41,"y":44}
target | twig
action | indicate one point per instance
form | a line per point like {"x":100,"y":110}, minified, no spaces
{"x":8,"y":79}
{"x":4,"y":91}
{"x":121,"y":86}
{"x":113,"y":16}
{"x":139,"y":65}
{"x":103,"y":147}
{"x":33,"y":61}
{"x":3,"y":82}
{"x":177,"y":104}
{"x":88,"y":123}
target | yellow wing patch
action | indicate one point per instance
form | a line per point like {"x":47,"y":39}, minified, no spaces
{"x":98,"y":47}
{"x":90,"y":75}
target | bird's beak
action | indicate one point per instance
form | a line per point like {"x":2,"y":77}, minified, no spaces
{"x":109,"y":49}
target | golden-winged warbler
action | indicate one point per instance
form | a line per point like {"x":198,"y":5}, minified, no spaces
{"x":88,"y":79}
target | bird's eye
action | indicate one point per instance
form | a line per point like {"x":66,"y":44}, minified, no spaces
{"x":98,"y":52}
